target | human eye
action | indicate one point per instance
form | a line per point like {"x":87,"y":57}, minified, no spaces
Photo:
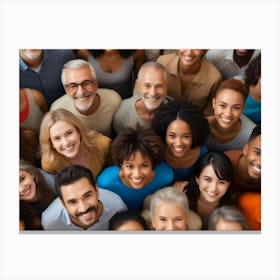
{"x":222,"y":182}
{"x":72,"y":86}
{"x":129,"y":166}
{"x":179,"y":219}
{"x":257,"y":152}
{"x":187,"y":136}
{"x":71,"y":202}
{"x":21,"y":178}
{"x":222,"y":105}
{"x":237,"y":107}
{"x":86,"y":83}
{"x":69,"y":132}
{"x":55,"y":139}
{"x":162,"y":219}
{"x":171,"y":135}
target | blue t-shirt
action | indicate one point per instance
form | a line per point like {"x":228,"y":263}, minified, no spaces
{"x":253,"y":110}
{"x":184,"y":174}
{"x":109,"y":179}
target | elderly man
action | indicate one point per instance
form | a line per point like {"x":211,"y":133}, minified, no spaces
{"x":151,"y":85}
{"x":95,"y":107}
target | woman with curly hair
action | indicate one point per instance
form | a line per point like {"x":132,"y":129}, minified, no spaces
{"x":66,"y":141}
{"x":139,"y":170}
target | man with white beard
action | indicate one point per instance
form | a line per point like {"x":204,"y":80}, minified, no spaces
{"x":95,"y":107}
{"x":151,"y":85}
{"x":41,"y":69}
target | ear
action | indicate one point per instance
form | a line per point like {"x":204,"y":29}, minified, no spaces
{"x":137,"y":84}
{"x":245,"y":149}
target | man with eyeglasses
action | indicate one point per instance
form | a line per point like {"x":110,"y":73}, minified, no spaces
{"x":95,"y":107}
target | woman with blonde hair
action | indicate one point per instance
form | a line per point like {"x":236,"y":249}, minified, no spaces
{"x":168,"y":209}
{"x":65,"y":141}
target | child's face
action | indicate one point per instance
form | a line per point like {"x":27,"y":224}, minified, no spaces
{"x":252,"y":151}
{"x":211,"y":187}
{"x":179,"y":138}
{"x":228,"y":105}
{"x":137,"y":171}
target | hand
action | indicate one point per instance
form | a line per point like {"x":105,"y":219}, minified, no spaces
{"x":181,"y":185}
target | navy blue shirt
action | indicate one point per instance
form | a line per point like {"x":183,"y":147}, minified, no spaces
{"x":48,"y":80}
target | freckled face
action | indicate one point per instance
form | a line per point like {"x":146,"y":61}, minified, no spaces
{"x":65,"y":139}
{"x":212,"y":189}
{"x":228,"y":106}
{"x":179,"y":137}
{"x":137,"y":172}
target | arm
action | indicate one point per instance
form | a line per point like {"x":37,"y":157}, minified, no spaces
{"x":40,"y":100}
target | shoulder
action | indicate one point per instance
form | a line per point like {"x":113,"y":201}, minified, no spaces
{"x":109,"y":95}
{"x":53,"y":214}
{"x":111,"y":199}
{"x":62,"y":102}
{"x":108,"y":176}
{"x":211,"y":69}
{"x":164,"y":171}
{"x":166,"y":59}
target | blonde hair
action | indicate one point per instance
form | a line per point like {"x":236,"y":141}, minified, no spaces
{"x":48,"y":153}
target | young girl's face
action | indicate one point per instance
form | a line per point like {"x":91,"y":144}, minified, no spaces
{"x":179,"y":137}
{"x":137,"y":171}
{"x":65,"y":139}
{"x":27,"y":186}
{"x":211,"y":187}
{"x":228,"y":106}
{"x":169,"y":216}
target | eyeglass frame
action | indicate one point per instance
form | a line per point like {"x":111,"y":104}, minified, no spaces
{"x":91,"y":82}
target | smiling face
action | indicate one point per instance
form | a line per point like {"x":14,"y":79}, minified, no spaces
{"x":228,"y":106}
{"x":152,"y":86}
{"x":81,"y":202}
{"x":191,"y":57}
{"x":82,"y":96}
{"x":212,"y":189}
{"x":169,"y":216}
{"x":65,"y":139}
{"x":137,"y":171}
{"x":27,"y":186}
{"x":252,"y":151}
{"x":179,"y":137}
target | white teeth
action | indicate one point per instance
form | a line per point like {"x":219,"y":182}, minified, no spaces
{"x":67,"y":149}
{"x":257,"y":168}
{"x":25,"y":192}
{"x":136,"y":180}
{"x":153,"y":97}
{"x":211,"y":194}
{"x":178,"y":149}
{"x":226,"y":119}
{"x":188,"y":58}
{"x":82,"y":97}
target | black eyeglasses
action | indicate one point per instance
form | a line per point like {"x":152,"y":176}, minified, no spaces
{"x":73,"y":87}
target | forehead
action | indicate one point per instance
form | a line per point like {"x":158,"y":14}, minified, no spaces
{"x":80,"y":73}
{"x":208,"y":171}
{"x":179,"y":125}
{"x":255,"y":142}
{"x":150,"y":74}
{"x":24,"y":172}
{"x":137,"y":157}
{"x":169,"y":209}
{"x":76,"y":189}
{"x":60,"y":127}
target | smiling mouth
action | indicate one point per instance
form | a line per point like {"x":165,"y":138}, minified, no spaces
{"x":26,"y":191}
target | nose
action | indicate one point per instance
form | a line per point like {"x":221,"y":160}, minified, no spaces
{"x":80,"y":90}
{"x":152,"y":90}
{"x":228,"y":111}
{"x":178,"y":141}
{"x":169,"y":225}
{"x":21,"y":188}
{"x":64,"y":141}
{"x":82,"y":206}
{"x":136,"y":172}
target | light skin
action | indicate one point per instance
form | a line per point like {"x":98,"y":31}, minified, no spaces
{"x":212,"y":189}
{"x":152,"y":86}
{"x":65,"y":139}
{"x":169,"y":216}
{"x":84,"y":97}
{"x":137,"y":171}
{"x":252,"y":160}
{"x":130,"y":225}
{"x":31,"y":57}
{"x":27,"y":186}
{"x":228,"y":225}
{"x":81,"y":202}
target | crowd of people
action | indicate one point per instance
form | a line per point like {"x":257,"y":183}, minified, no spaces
{"x":140,"y":140}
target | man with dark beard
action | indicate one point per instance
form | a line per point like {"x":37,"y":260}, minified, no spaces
{"x":80,"y":204}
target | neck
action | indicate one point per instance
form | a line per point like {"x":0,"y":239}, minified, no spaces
{"x":92,"y":109}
